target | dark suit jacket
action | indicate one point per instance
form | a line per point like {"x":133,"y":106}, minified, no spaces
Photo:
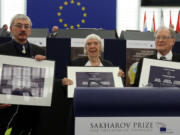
{"x":27,"y":116}
{"x":9,"y":49}
{"x":175,"y":58}
{"x":52,"y":35}
{"x":82,"y":61}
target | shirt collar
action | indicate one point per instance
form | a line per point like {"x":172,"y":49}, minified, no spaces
{"x":89,"y":64}
{"x":168,"y":56}
{"x":19,"y":46}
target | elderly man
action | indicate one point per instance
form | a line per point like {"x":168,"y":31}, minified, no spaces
{"x":20,"y":118}
{"x":54,"y":32}
{"x":21,"y":28}
{"x":164,"y":41}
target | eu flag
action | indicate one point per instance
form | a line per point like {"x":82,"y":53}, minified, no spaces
{"x":72,"y":14}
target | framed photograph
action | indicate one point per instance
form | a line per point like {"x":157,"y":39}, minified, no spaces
{"x":26,"y":81}
{"x":159,"y":73}
{"x":93,"y":77}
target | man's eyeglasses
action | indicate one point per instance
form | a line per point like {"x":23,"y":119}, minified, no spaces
{"x":163,"y":38}
{"x":26,"y":26}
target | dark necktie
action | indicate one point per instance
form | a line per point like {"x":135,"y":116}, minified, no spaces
{"x":162,"y":58}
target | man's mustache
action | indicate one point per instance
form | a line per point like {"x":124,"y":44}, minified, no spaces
{"x":23,"y":33}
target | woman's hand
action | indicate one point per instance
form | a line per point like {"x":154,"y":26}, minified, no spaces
{"x":121,"y":73}
{"x":66,"y":81}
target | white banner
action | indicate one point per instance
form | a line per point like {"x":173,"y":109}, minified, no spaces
{"x":40,"y":41}
{"x":140,"y":44}
{"x":127,"y":126}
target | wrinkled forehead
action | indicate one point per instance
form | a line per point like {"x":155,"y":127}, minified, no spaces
{"x":92,"y":40}
{"x":21,"y":21}
{"x":163,"y":32}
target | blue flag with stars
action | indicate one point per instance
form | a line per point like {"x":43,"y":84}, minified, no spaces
{"x":72,"y":14}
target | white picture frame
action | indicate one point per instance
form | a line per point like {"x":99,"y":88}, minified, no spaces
{"x":93,"y":77}
{"x":25,"y":81}
{"x":159,"y":73}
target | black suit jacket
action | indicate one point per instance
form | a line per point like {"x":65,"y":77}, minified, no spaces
{"x":52,"y":35}
{"x":82,"y":61}
{"x":175,"y":58}
{"x":9,"y":49}
{"x":27,"y":116}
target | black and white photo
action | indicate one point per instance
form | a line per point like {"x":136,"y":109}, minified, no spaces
{"x":26,"y":82}
{"x":93,"y":77}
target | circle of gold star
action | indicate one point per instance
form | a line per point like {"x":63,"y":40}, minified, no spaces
{"x":78,"y":3}
{"x":67,"y":4}
{"x":72,"y":2}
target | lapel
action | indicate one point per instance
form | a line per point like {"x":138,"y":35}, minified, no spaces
{"x":176,"y":57}
{"x":32,"y":50}
{"x":11,"y":49}
{"x":153,"y":56}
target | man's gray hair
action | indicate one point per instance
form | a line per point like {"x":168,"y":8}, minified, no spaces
{"x":171,"y":31}
{"x":20,"y":16}
{"x":93,"y":36}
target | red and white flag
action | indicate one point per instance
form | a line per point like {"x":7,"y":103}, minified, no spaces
{"x":153,"y":26}
{"x":178,"y":23}
{"x":145,"y":23}
{"x":170,"y":22}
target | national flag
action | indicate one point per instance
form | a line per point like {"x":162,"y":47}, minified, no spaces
{"x":178,"y":23}
{"x":162,"y":18}
{"x":153,"y":26}
{"x":145,"y":23}
{"x":72,"y":13}
{"x":170,"y":20}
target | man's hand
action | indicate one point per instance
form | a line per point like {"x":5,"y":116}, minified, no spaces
{"x":40,"y":57}
{"x":2,"y":106}
{"x":66,"y":81}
